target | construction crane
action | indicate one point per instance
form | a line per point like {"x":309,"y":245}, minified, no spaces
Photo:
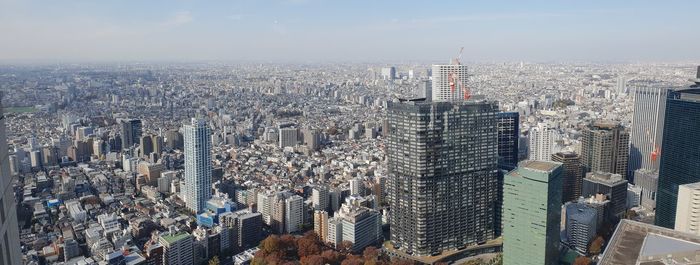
{"x":657,"y":150}
{"x":454,"y":78}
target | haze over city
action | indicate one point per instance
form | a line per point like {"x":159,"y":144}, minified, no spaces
{"x":349,"y":31}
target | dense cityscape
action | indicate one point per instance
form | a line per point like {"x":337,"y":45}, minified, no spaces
{"x":309,"y":137}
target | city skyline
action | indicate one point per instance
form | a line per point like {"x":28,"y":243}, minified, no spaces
{"x":325,"y":31}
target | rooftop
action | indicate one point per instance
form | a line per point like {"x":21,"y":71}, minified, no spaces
{"x":633,"y":240}
{"x":540,"y":165}
{"x":172,"y":238}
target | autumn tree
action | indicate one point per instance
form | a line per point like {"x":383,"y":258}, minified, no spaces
{"x":313,"y":260}
{"x":332,"y":257}
{"x":308,"y":247}
{"x":596,"y":246}
{"x":345,"y":246}
{"x":582,"y":261}
{"x":214,"y":261}
{"x":270,"y":244}
{"x":352,"y":260}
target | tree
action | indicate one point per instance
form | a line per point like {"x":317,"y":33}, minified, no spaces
{"x":214,"y":260}
{"x":582,"y":261}
{"x":332,"y":257}
{"x":288,"y":242}
{"x":313,"y":260}
{"x":596,"y":246}
{"x":307,"y":247}
{"x":270,"y":244}
{"x":352,"y":260}
{"x":345,"y":246}
{"x":370,"y":253}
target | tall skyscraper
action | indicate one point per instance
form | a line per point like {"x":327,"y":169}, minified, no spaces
{"x":321,"y":224}
{"x":442,"y":183}
{"x":532,"y":213}
{"x":130,"y":132}
{"x":572,"y":178}
{"x":542,"y":142}
{"x":9,"y":230}
{"x":449,"y":81}
{"x":687,"y":220}
{"x":647,"y":128}
{"x":293,"y":213}
{"x":605,"y":148}
{"x":680,"y":158}
{"x":319,"y":198}
{"x":197,"y":164}
{"x":508,"y":137}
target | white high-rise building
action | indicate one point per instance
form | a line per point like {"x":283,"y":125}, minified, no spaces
{"x":449,"y":82}
{"x":9,"y":231}
{"x":197,"y":164}
{"x":319,"y":198}
{"x":687,"y":218}
{"x":647,"y":128}
{"x":355,"y":186}
{"x":542,"y":142}
{"x":293,"y":213}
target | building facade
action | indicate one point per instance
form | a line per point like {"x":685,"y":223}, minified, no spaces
{"x":10,"y":251}
{"x":687,"y":215}
{"x":197,"y":165}
{"x":605,"y":148}
{"x":508,"y":139}
{"x":443,"y":166}
{"x":572,"y":179}
{"x":647,"y":128}
{"x":542,"y":142}
{"x":532,"y":213}
{"x":680,"y":159}
{"x":613,"y":186}
{"x":581,"y":226}
{"x":449,"y":82}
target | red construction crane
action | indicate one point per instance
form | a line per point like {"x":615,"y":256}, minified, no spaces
{"x":657,"y":150}
{"x":454,"y":79}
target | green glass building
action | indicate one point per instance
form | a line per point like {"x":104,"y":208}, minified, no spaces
{"x":532,"y":213}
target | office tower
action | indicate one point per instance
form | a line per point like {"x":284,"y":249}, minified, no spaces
{"x":532,"y":213}
{"x":388,"y":73}
{"x":9,"y":230}
{"x":572,"y":178}
{"x":356,"y":186}
{"x":442,"y":174}
{"x":449,"y":82}
{"x":687,"y":219}
{"x":581,"y":226}
{"x":288,"y":137}
{"x":508,"y":136}
{"x":197,"y":164}
{"x":647,"y":128}
{"x":246,"y":228}
{"x":378,"y":188}
{"x":319,"y":198}
{"x":542,"y":142}
{"x":146,"y":145}
{"x":613,"y":186}
{"x":605,"y":147}
{"x":293,"y":213}
{"x":174,"y":140}
{"x":130,"y":132}
{"x":649,"y":182}
{"x":360,"y":225}
{"x":264,"y":202}
{"x":321,"y":224}
{"x":680,"y":158}
{"x":177,"y":248}
{"x":157,"y":141}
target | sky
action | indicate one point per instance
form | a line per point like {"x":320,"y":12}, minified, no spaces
{"x":349,"y":31}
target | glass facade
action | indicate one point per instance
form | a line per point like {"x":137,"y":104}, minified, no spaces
{"x":680,"y":157}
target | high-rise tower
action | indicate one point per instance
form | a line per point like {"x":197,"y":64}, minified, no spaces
{"x":448,"y":82}
{"x":605,"y":148}
{"x":647,"y":128}
{"x":442,"y":183}
{"x":130,"y":132}
{"x":197,"y":164}
{"x":542,"y":142}
{"x":9,"y":230}
{"x":680,"y":158}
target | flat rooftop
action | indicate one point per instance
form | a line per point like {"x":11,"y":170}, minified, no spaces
{"x":546,"y":166}
{"x":632,"y":239}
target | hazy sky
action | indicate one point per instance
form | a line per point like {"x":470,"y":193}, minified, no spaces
{"x":348,"y":30}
